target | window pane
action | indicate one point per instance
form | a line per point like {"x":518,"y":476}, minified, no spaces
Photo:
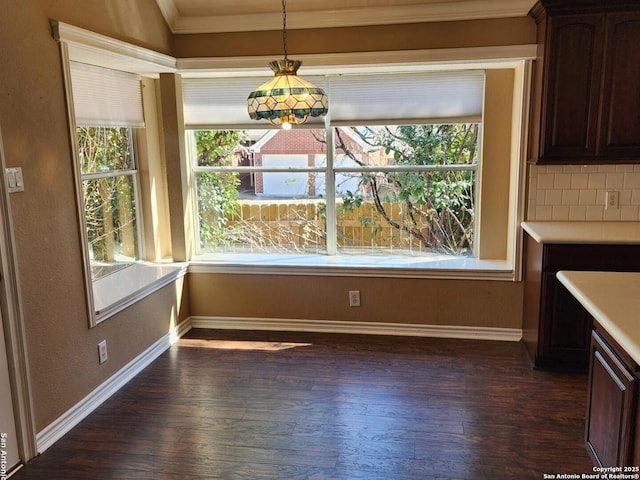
{"x":408,"y":213}
{"x":221,"y":148}
{"x":105,"y":149}
{"x":110,"y":216}
{"x":419,"y":211}
{"x":233,"y":222}
{"x":449,"y":144}
{"x":263,"y":210}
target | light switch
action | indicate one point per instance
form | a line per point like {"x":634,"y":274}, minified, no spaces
{"x":15,"y":182}
{"x":19,"y":182}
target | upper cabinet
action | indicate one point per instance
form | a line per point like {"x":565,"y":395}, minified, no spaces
{"x":586,"y":92}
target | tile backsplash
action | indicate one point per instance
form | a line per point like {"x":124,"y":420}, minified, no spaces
{"x":577,"y":193}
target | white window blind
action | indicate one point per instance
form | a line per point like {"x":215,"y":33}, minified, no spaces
{"x":222,"y":102}
{"x":104,"y":97}
{"x":426,"y":97}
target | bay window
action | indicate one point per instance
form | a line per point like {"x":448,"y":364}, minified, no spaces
{"x":392,"y":171}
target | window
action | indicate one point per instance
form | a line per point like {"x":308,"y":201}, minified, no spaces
{"x":259,"y":191}
{"x":395,"y":190}
{"x":108,"y":109}
{"x":115,"y":180}
{"x":411,"y":190}
{"x":392,"y":171}
{"x":110,"y":192}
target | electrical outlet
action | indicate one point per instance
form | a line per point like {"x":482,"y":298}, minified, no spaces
{"x":103,"y":355}
{"x":612,"y":200}
{"x":354,"y":298}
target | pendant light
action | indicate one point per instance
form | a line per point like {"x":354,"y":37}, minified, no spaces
{"x":286,"y":99}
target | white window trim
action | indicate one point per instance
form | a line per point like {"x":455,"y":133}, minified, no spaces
{"x":517,"y":57}
{"x":379,"y":266}
{"x":116,"y":291}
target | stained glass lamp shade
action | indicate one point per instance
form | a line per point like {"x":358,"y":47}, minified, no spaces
{"x":287,"y":99}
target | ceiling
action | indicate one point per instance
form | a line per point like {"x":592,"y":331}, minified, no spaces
{"x":215,"y":16}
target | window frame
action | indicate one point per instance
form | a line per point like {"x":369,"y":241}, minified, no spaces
{"x":96,"y":312}
{"x":132,"y":172}
{"x":499,"y":260}
{"x":330,"y":171}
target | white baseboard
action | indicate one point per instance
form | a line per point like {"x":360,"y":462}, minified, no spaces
{"x":52,"y":433}
{"x":367,"y":328}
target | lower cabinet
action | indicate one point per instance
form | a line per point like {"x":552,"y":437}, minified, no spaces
{"x":636,"y":448}
{"x":556,"y":328}
{"x":565,"y":337}
{"x":612,"y":430}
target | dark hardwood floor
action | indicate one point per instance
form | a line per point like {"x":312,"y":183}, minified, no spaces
{"x":264,"y":405}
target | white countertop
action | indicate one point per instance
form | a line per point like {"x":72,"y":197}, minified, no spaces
{"x":613,"y":299}
{"x":584,"y":232}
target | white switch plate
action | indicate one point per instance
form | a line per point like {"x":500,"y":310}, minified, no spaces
{"x":354,"y":298}
{"x":15,"y":183}
{"x":613,"y":200}
{"x":103,"y":355}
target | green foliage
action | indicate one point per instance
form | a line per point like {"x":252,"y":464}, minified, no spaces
{"x":438,"y":205}
{"x":109,"y":205}
{"x":217,"y":191}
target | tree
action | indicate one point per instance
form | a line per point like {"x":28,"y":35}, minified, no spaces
{"x":437,"y":206}
{"x":217,"y":191}
{"x":108,"y":200}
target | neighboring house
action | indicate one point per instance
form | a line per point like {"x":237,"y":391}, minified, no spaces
{"x":304,"y":149}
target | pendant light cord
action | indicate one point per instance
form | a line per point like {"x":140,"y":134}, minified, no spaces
{"x":284,"y":27}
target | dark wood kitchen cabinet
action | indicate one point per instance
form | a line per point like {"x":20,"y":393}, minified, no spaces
{"x":636,"y":448}
{"x":612,"y":418}
{"x":556,"y":327}
{"x":586,"y":88}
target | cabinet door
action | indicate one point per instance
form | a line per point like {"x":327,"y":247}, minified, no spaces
{"x":570,"y":103}
{"x":566,"y":328}
{"x":611,"y":402}
{"x":620,"y":128}
{"x":636,"y":447}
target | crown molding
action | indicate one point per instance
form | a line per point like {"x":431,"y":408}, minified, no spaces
{"x":347,"y":17}
{"x":169,"y":11}
{"x":359,"y":62}
{"x":95,"y":49}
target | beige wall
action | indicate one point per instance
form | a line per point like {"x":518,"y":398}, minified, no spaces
{"x":393,"y":300}
{"x":493,"y":223}
{"x":62,"y":350}
{"x":478,"y":33}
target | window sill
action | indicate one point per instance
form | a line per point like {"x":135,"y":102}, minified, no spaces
{"x":116,"y":291}
{"x":438,"y":266}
